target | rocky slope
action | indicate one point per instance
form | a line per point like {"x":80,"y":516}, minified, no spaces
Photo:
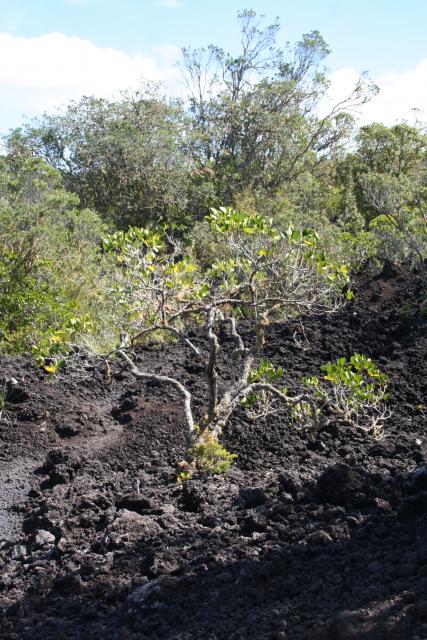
{"x":301,"y":540}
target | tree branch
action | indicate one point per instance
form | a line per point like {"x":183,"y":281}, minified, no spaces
{"x":153,"y":377}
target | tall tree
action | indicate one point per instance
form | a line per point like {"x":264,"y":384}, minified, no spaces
{"x":256,"y":114}
{"x":386,"y":176}
{"x":121,"y":158}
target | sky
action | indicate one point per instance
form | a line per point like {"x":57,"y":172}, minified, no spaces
{"x":54,"y":51}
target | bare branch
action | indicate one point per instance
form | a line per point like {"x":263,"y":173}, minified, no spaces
{"x":241,"y":349}
{"x":168,"y":328}
{"x":211,"y":366}
{"x":153,"y":377}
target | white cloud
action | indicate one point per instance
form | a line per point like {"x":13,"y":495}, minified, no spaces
{"x":399,"y":95}
{"x":168,"y":53}
{"x":171,"y":3}
{"x":41,"y":73}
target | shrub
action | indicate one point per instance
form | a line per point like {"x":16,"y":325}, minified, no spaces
{"x":51,"y":267}
{"x":353,"y":391}
{"x":263,"y":274}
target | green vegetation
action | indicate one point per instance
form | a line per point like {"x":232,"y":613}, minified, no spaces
{"x":50,"y":266}
{"x":354,"y":391}
{"x":210,"y":457}
{"x":385,"y":181}
{"x":264,"y":274}
{"x":122,"y":159}
{"x":147,"y":216}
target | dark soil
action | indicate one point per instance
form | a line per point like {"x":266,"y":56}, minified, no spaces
{"x":303,"y":539}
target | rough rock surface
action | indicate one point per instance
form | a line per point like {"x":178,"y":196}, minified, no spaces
{"x":302,"y":540}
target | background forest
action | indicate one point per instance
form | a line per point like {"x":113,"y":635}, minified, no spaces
{"x":251,"y":134}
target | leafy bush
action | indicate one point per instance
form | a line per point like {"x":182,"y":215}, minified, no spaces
{"x":385,"y":180}
{"x":51,"y":267}
{"x":54,"y":349}
{"x":354,"y":391}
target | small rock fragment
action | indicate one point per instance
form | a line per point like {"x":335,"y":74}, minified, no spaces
{"x":319,"y":537}
{"x":44,"y":538}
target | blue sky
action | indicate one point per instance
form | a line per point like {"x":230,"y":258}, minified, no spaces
{"x":102,"y":45}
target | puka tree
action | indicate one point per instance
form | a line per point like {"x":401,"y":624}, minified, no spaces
{"x":261,"y":274}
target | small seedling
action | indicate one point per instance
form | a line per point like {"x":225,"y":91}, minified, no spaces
{"x":210,"y":457}
{"x":207,"y":456}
